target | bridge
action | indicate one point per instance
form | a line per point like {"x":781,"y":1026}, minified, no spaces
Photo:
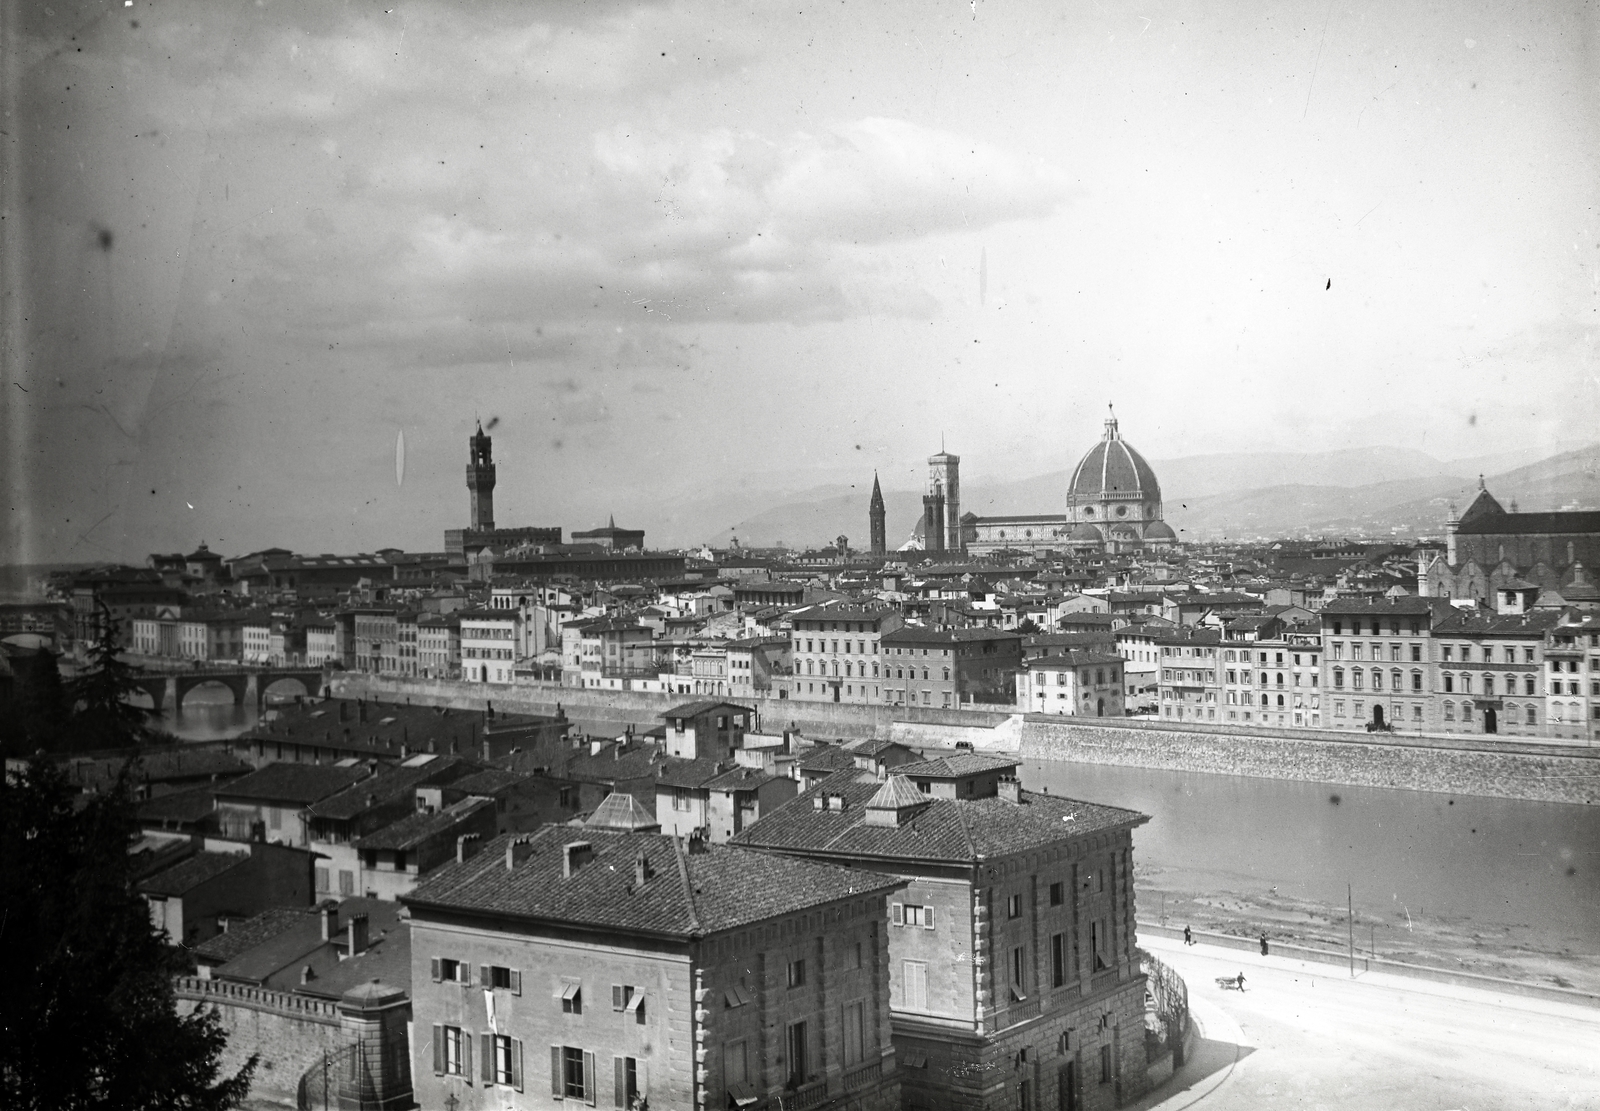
{"x":251,"y":683}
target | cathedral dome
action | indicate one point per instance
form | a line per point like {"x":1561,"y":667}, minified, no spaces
{"x":1086,"y":534}
{"x":1113,"y":471}
{"x":1159,"y":530}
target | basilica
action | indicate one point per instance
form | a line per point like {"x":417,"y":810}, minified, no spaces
{"x":1113,"y":504}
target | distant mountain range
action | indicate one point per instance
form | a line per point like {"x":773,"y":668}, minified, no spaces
{"x":1372,"y":492}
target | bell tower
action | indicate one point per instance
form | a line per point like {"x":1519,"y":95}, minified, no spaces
{"x":876,"y":519}
{"x":480,"y":480}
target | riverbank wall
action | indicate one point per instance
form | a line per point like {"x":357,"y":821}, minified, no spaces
{"x":1529,"y":770}
{"x":1462,"y":766}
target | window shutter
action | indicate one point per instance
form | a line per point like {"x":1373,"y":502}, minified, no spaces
{"x":436,"y":975}
{"x":590,"y":1080}
{"x":516,"y":1064}
{"x":486,"y":1043}
{"x":438,"y":1048}
{"x":619,"y":1070}
{"x":466,"y":1056}
{"x":557,"y":1089}
{"x":927,"y":918}
{"x":516,"y":981}
{"x":616,"y":997}
{"x":483,"y":976}
{"x":464,"y":972}
{"x":897,"y":913}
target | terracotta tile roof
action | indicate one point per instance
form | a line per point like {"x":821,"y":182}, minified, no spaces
{"x":689,"y":773}
{"x":191,"y":872}
{"x":386,"y":784}
{"x":250,"y":933}
{"x":826,"y":758}
{"x":686,"y":894}
{"x":739,"y":779}
{"x":387,"y":959}
{"x":945,"y":831}
{"x":695,"y":709}
{"x":488,"y":782}
{"x":639,"y":762}
{"x":284,"y":782}
{"x":1072,"y":659}
{"x":414,"y":829}
{"x":180,"y":806}
{"x":950,"y":767}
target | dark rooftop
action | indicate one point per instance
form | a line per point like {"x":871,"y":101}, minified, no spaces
{"x":285,"y":782}
{"x":686,"y":895}
{"x":191,"y":872}
{"x":414,"y":829}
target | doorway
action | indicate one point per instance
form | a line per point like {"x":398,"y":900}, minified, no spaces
{"x":1067,"y":1083}
{"x":1377,"y":717}
{"x":1491,"y":721}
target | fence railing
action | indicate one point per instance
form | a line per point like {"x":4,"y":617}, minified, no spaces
{"x":866,"y":1074}
{"x":224,"y":992}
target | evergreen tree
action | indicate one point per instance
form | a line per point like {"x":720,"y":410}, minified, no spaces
{"x":90,"y":1017}
{"x":37,"y":714}
{"x":103,"y":716}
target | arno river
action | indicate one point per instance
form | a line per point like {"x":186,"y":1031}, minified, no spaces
{"x":1496,"y":863}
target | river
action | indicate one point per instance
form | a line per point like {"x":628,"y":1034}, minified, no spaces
{"x":1529,"y":871}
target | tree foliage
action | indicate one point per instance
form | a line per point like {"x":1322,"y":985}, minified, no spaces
{"x":90,"y":1017}
{"x":103,"y":715}
{"x":37,"y":714}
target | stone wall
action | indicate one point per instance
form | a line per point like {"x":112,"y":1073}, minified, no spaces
{"x":1541,"y":773}
{"x":290,"y":1032}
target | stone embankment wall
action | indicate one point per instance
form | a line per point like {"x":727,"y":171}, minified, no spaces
{"x":1502,"y":768}
{"x":290,"y":1032}
{"x":1540,"y":773}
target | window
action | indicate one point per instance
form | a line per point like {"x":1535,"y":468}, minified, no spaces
{"x":572,"y":1073}
{"x":855,"y":1039}
{"x":1058,"y":893}
{"x":1105,"y":1064}
{"x":1058,"y":960}
{"x":347,"y":882}
{"x":1013,"y":906}
{"x":494,"y":976}
{"x":796,"y":1045}
{"x":620,"y":995}
{"x":446,"y":968}
{"x":450,"y":1051}
{"x":1019,"y":972}
{"x":322,"y":880}
{"x":572,"y":998}
{"x":1025,"y":1095}
{"x":915,"y":976}
{"x":908,"y":914}
{"x":502,"y":1063}
{"x":797,"y":973}
{"x":1097,"y":943}
{"x":1416,"y":680}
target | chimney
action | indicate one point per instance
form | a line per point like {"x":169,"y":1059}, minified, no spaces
{"x":462,"y":852}
{"x":819,"y":801}
{"x":641,"y":869}
{"x":835,"y":802}
{"x":697,"y":843}
{"x":405,"y":751}
{"x":1010,"y":788}
{"x":575,"y":856}
{"x":595,"y":746}
{"x":306,"y":975}
{"x":517,"y":850}
{"x":357,"y":935}
{"x":330,"y":922}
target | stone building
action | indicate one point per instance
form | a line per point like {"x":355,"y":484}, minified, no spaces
{"x":1082,"y":683}
{"x":838,"y":650}
{"x":950,"y":667}
{"x":1015,"y":981}
{"x":1487,"y":547}
{"x":589,"y":967}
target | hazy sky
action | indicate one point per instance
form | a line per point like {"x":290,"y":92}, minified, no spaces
{"x":674,"y":246}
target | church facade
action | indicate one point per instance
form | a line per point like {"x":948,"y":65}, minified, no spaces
{"x":1489,"y":550}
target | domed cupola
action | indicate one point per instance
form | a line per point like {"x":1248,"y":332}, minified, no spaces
{"x":1114,"y":489}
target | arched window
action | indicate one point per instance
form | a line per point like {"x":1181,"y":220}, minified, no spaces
{"x":1263,"y":700}
{"x":1280,"y":702}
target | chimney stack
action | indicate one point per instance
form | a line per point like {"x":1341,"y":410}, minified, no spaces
{"x":307,"y":975}
{"x":1010,"y":789}
{"x":462,"y":852}
{"x":641,"y":869}
{"x":357,"y":935}
{"x":517,"y":850}
{"x":330,"y":922}
{"x":575,"y":856}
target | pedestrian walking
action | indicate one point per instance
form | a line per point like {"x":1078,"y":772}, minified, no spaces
{"x":1188,"y":937}
{"x":1241,"y":981}
{"x":1263,"y":945}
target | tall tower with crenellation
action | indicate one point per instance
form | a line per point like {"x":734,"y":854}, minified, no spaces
{"x":480,"y":481}
{"x":875,"y":517}
{"x":944,"y":482}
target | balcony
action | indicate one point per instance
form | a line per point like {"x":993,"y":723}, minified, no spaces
{"x":809,"y":1095}
{"x":863,"y":1075}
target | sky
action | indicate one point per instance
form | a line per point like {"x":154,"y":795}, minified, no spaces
{"x":266,"y":264}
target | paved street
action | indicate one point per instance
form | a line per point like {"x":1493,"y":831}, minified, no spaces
{"x":1306,"y":1036}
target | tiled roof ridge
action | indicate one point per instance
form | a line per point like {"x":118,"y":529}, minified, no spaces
{"x":688,"y":886}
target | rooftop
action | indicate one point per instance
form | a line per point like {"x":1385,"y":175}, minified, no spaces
{"x":285,"y":782}
{"x":415,"y":829}
{"x":685,"y":894}
{"x":191,"y":872}
{"x":953,"y":767}
{"x":944,"y":831}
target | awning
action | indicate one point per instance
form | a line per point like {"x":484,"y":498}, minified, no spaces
{"x":742,"y":1094}
{"x":635,"y":1001}
{"x":570,"y":991}
{"x":916,"y":1060}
